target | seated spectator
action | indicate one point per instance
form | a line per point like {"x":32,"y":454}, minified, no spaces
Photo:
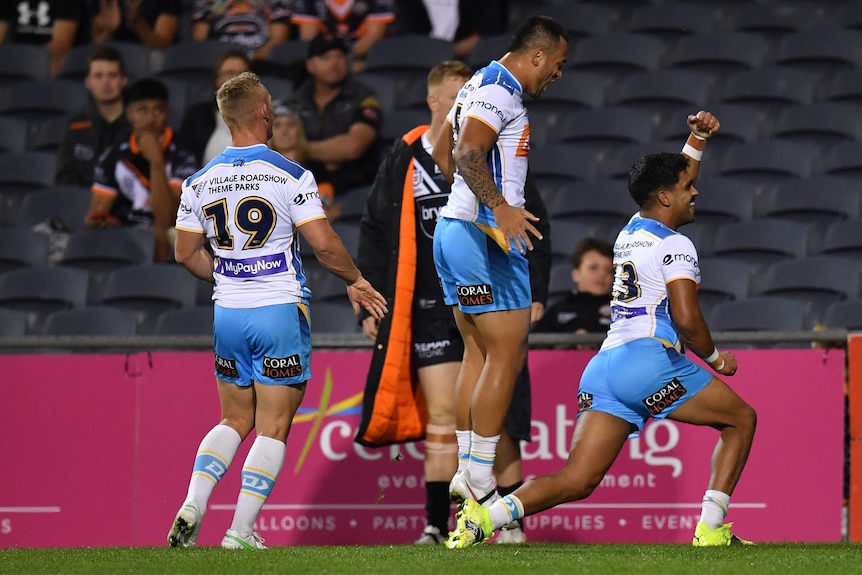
{"x":137,"y":182}
{"x":360,"y":28}
{"x":154,"y":23}
{"x":341,"y":118}
{"x":587,"y":310}
{"x":203,"y":131}
{"x":52,"y":23}
{"x":98,"y":126}
{"x":258,"y":25}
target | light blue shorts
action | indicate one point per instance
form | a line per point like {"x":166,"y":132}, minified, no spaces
{"x":639,"y":380}
{"x":475,"y":272}
{"x":269,"y":344}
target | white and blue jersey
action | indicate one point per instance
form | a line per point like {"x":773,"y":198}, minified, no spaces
{"x":492,"y":96}
{"x":641,"y":370}
{"x":647,"y":256}
{"x":248,"y":202}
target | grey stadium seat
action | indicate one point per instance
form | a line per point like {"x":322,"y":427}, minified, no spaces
{"x":92,"y":321}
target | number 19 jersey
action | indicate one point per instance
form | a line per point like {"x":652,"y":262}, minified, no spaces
{"x":647,"y":256}
{"x":248,"y":202}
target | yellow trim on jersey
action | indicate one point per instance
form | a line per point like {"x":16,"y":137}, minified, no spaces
{"x":321,"y":217}
{"x":495,"y":234}
{"x":190,"y":230}
{"x":496,"y":131}
{"x":673,"y":279}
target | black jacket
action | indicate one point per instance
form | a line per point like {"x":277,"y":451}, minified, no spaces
{"x":87,"y":135}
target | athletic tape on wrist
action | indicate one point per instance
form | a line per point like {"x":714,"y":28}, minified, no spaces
{"x":712,"y":357}
{"x":692,"y":152}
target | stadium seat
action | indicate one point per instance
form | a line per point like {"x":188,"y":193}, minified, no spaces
{"x":489,"y":48}
{"x":844,"y":239}
{"x":723,"y":201}
{"x":672,"y":25}
{"x":607,"y":128}
{"x":661,"y":91}
{"x":824,"y":124}
{"x":603,"y":203}
{"x":617,"y":55}
{"x":13,"y":323}
{"x":92,"y":321}
{"x":763,"y":313}
{"x":774,"y":20}
{"x":148,"y":290}
{"x":582,"y":20}
{"x":24,"y":63}
{"x":819,"y":52}
{"x":716,"y":54}
{"x":844,"y":314}
{"x":47,"y":135}
{"x":106,"y":250}
{"x":396,"y":123}
{"x":193,"y":61}
{"x":617,"y":162}
{"x":767,"y":162}
{"x":739,"y":124}
{"x":816,"y":200}
{"x":722,"y":280}
{"x":16,"y":134}
{"x":844,"y":160}
{"x":196,"y":320}
{"x":565,"y":235}
{"x":761,"y":243}
{"x":769,"y":89}
{"x":280,"y":88}
{"x":22,"y":248}
{"x":559,"y":164}
{"x":137,"y":60}
{"x":573,"y":92}
{"x":325,"y":286}
{"x":389,"y":89}
{"x":348,"y":231}
{"x":40,"y":291}
{"x":333,"y":317}
{"x":22,"y":174}
{"x":814,"y":282}
{"x":68,"y":204}
{"x":38,"y":101}
{"x":353,"y":204}
{"x":408,"y":57}
{"x":845,"y":86}
{"x":290,"y":56}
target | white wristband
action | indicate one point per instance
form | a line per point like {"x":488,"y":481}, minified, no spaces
{"x":692,"y":152}
{"x":712,"y":357}
{"x":719,"y":366}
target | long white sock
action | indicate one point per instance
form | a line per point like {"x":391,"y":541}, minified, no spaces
{"x":714,"y":509}
{"x":506,"y":510}
{"x":259,"y":472}
{"x":481,"y":466}
{"x":463,"y":437}
{"x":215,"y":453}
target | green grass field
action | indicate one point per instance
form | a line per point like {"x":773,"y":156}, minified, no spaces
{"x":538,"y":558}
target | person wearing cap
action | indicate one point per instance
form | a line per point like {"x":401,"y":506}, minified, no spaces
{"x":357,"y":24}
{"x":288,"y":137}
{"x":341,"y":117}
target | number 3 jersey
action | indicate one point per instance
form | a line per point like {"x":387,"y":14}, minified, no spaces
{"x":647,"y":256}
{"x":248,"y":202}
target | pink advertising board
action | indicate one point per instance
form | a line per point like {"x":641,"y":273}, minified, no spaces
{"x":97,"y":450}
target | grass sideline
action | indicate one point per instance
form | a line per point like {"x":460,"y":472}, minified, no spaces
{"x":532,"y":558}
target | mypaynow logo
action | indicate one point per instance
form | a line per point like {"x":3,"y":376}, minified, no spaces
{"x":252,"y":267}
{"x":346,"y":407}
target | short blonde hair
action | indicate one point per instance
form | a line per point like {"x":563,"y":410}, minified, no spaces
{"x":237,"y":99}
{"x":446,"y":69}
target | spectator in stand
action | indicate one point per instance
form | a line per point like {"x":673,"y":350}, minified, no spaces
{"x":359,"y":24}
{"x":203,"y":131}
{"x":137,"y":182}
{"x":154,"y":23}
{"x":55,"y":24}
{"x":288,"y":137}
{"x":101,"y":124}
{"x":588,"y":309}
{"x":341,"y":117}
{"x":258,"y":25}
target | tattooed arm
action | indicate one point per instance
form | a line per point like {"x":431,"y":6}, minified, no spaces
{"x":470,"y":156}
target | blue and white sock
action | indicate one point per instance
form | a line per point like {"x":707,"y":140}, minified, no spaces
{"x":259,"y":472}
{"x":215,"y":454}
{"x":714,"y":508}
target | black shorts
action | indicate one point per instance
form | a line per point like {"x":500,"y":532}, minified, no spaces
{"x":436,"y":340}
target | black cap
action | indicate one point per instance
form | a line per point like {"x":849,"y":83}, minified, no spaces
{"x":323,"y":43}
